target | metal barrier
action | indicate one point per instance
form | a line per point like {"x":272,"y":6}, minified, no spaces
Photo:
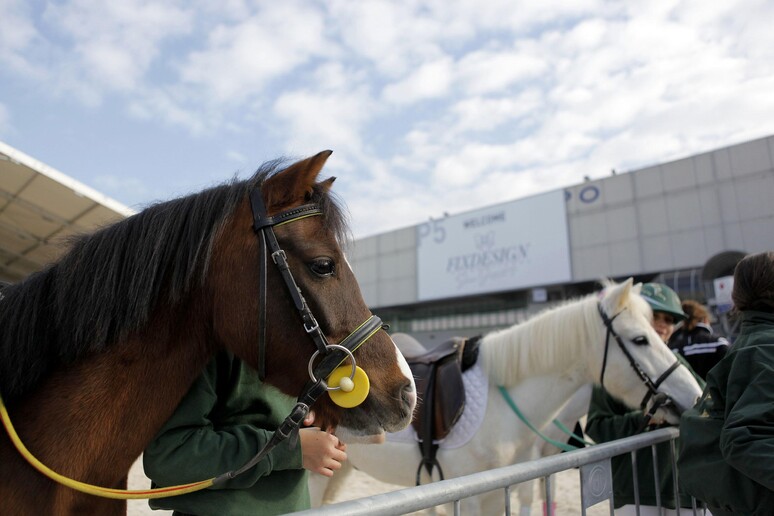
{"x":595,"y":474}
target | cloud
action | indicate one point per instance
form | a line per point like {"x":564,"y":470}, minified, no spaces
{"x":17,"y":38}
{"x":236,"y":156}
{"x":431,"y":81}
{"x":332,"y":116}
{"x":170,"y":106}
{"x":497,"y":72}
{"x":429,"y":106}
{"x":240,"y":59}
{"x":110,"y":46}
{"x":486,"y":114}
{"x":391,"y":37}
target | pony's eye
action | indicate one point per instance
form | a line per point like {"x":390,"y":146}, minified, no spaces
{"x":640,"y":341}
{"x":323,"y":267}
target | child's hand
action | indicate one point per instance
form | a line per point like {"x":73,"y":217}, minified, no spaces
{"x":322,"y":452}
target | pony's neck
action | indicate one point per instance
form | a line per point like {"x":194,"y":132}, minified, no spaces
{"x":553,"y":341}
{"x":110,"y":405}
{"x":541,"y":398}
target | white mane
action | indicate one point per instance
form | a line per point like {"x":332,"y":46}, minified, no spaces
{"x":552,"y":341}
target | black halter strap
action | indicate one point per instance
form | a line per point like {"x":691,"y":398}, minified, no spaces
{"x":650,"y":384}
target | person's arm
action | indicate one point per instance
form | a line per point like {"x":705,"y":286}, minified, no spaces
{"x":747,"y":438}
{"x":609,"y":419}
{"x":192,"y":446}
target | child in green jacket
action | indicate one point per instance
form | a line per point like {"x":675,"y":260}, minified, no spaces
{"x":727,"y":445}
{"x":222,"y":422}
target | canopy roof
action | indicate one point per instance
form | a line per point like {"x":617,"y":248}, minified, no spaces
{"x":39,"y":208}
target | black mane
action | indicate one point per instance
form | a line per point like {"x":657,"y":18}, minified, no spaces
{"x":109,"y":282}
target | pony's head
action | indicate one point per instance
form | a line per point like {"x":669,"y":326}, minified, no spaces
{"x":312,"y":245}
{"x":627,"y":342}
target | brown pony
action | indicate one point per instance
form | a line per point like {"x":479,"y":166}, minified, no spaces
{"x":97,"y":350}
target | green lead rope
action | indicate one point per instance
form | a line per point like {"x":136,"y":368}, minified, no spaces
{"x":558,"y":444}
{"x":572,"y":434}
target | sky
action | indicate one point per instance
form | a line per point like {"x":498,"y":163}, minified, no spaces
{"x":430,"y":107}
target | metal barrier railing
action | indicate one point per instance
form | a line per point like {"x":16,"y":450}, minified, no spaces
{"x":593,"y":462}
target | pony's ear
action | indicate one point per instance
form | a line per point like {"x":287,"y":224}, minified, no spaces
{"x":618,"y":296}
{"x":637,"y":288}
{"x":296,"y":182}
{"x":326,"y":185}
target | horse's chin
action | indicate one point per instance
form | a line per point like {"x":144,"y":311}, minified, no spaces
{"x":672,"y":419}
{"x":348,"y":435}
{"x":670,"y":415}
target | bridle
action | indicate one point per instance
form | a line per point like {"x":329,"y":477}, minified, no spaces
{"x":263,"y":225}
{"x":660,"y":399}
{"x":333,"y":355}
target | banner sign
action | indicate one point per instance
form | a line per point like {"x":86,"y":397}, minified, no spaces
{"x":723,"y":288}
{"x":510,"y":246}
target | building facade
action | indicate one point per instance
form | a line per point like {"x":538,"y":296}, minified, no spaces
{"x":684,"y":223}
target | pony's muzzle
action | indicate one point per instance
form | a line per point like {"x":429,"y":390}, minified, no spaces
{"x":408,"y":395}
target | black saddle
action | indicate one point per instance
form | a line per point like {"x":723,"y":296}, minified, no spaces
{"x":438,"y":377}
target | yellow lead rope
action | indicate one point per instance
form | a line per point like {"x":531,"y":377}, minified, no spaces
{"x":104,"y":492}
{"x":124,"y":494}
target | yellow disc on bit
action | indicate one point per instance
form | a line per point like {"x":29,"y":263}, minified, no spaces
{"x":359,"y":386}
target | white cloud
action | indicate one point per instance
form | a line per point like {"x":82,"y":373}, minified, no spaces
{"x":429,"y":106}
{"x":17,"y":38}
{"x":315,"y":121}
{"x":490,"y":114}
{"x":488,"y":72}
{"x":170,"y":107}
{"x":393,"y":37}
{"x":113,"y":44}
{"x":430,"y":81}
{"x":241,"y":58}
{"x":236,"y":156}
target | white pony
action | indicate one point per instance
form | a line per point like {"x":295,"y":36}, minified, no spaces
{"x":541,"y":363}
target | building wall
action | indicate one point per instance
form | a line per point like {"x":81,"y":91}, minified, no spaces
{"x":675,"y":215}
{"x":386,"y":267}
{"x":662,"y":218}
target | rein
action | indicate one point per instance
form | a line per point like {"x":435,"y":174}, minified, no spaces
{"x":333,"y":355}
{"x":659,"y":398}
{"x":520,"y":414}
{"x":561,"y":426}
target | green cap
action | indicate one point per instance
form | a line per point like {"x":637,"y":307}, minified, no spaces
{"x":663,"y":299}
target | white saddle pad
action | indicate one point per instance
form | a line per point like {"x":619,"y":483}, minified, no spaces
{"x":476,"y":390}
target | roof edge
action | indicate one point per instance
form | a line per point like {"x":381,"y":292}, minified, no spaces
{"x":77,"y":187}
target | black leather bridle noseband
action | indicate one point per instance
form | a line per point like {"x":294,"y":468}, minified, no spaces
{"x":660,"y":399}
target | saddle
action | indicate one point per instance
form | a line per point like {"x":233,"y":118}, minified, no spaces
{"x":438,"y":377}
